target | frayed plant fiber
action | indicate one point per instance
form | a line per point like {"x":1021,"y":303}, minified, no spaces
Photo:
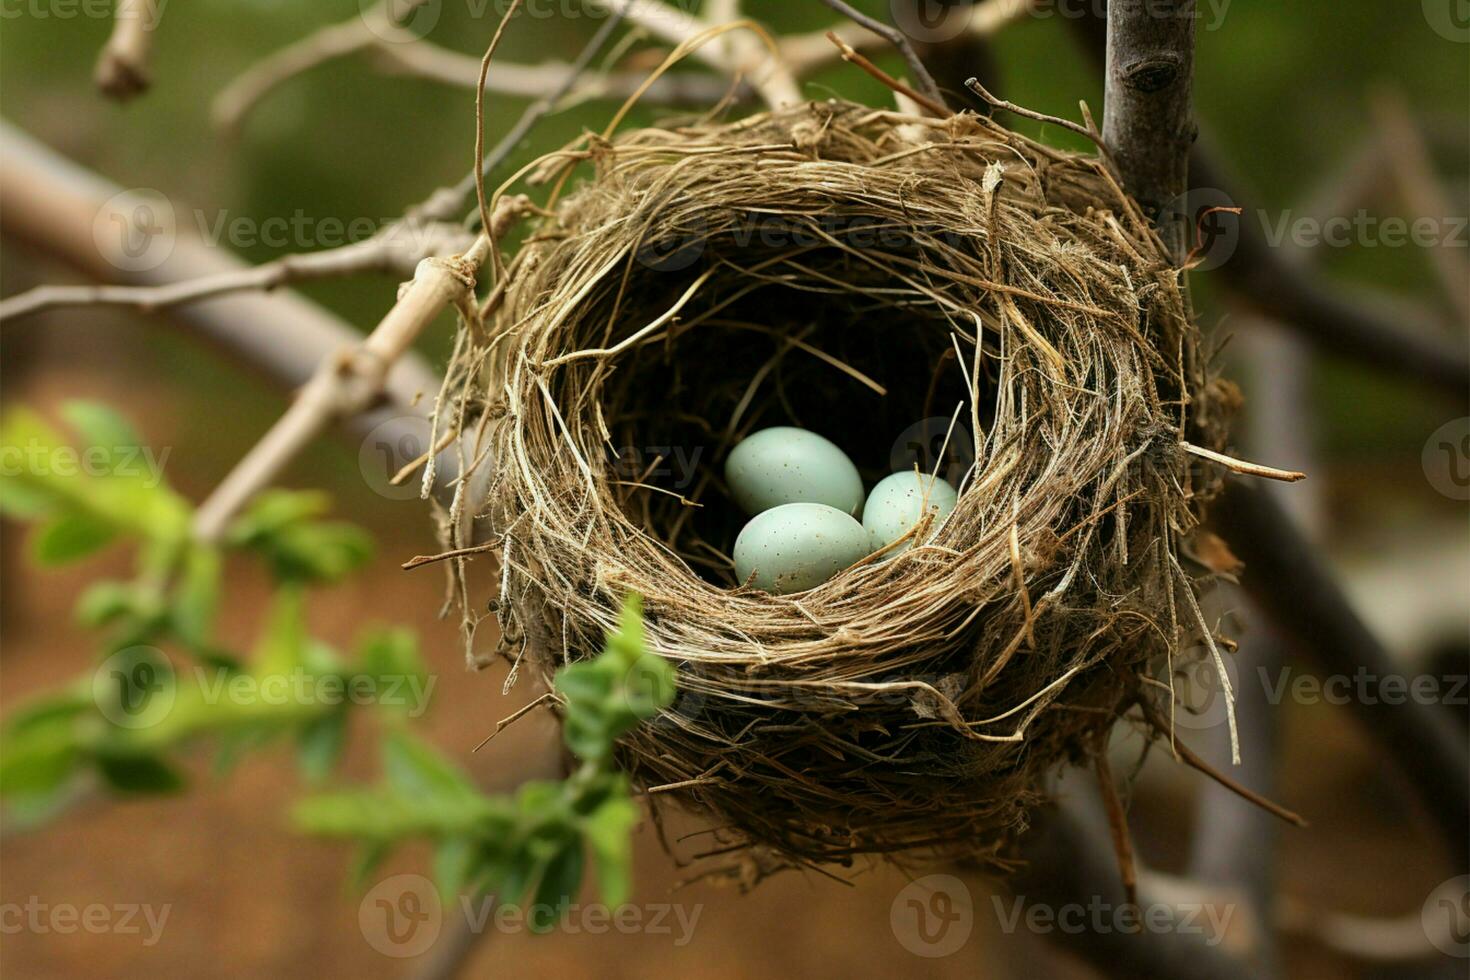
{"x":852,"y":271}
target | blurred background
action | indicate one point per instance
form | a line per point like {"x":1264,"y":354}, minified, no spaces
{"x":1309,"y":106}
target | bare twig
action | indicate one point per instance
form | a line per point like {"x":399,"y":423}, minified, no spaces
{"x":1243,"y":467}
{"x":365,"y":30}
{"x":1069,"y":860}
{"x":444,"y":202}
{"x":895,"y":37}
{"x":1117,"y":826}
{"x":395,"y":251}
{"x":347,"y":382}
{"x":122,"y":66}
{"x":765,"y":69}
{"x":420,"y":59}
{"x":1422,"y":192}
{"x":974,"y":85}
{"x":1187,"y":755}
{"x":851,"y":56}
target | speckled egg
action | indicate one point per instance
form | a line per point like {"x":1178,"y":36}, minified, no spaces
{"x":787,"y":465}
{"x":799,"y":546}
{"x":897,"y":502}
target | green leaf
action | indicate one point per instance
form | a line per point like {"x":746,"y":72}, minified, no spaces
{"x":70,"y":537}
{"x":416,"y":770}
{"x":23,"y":501}
{"x":560,"y":883}
{"x":320,"y":745}
{"x":454,"y":863}
{"x":367,"y":861}
{"x":139,"y":774}
{"x":271,"y":510}
{"x":101,"y":426}
{"x":37,"y":767}
{"x":608,"y":831}
{"x":194,"y":603}
{"x":281,"y":648}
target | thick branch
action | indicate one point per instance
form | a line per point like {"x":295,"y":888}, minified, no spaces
{"x":1337,"y":324}
{"x":1147,"y":117}
{"x":1070,"y":862}
{"x":54,"y":205}
{"x":1287,"y":579}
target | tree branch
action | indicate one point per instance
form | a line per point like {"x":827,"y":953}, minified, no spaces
{"x":122,"y":65}
{"x":1287,"y":579}
{"x":53,"y":205}
{"x":1147,"y":117}
{"x":1337,"y":324}
{"x":895,"y":37}
{"x":395,"y":251}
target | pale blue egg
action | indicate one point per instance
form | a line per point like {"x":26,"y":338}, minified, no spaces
{"x":787,"y":465}
{"x":795,"y":547}
{"x":898,"y":501}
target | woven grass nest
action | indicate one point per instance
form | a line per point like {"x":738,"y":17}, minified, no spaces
{"x":834,"y":266}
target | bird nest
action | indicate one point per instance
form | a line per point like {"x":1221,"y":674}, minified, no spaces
{"x":944,"y":294}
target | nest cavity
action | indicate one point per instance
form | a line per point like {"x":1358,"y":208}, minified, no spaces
{"x":940,"y":294}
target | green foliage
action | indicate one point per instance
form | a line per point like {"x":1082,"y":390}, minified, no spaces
{"x":533,"y":844}
{"x":126,"y":725}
